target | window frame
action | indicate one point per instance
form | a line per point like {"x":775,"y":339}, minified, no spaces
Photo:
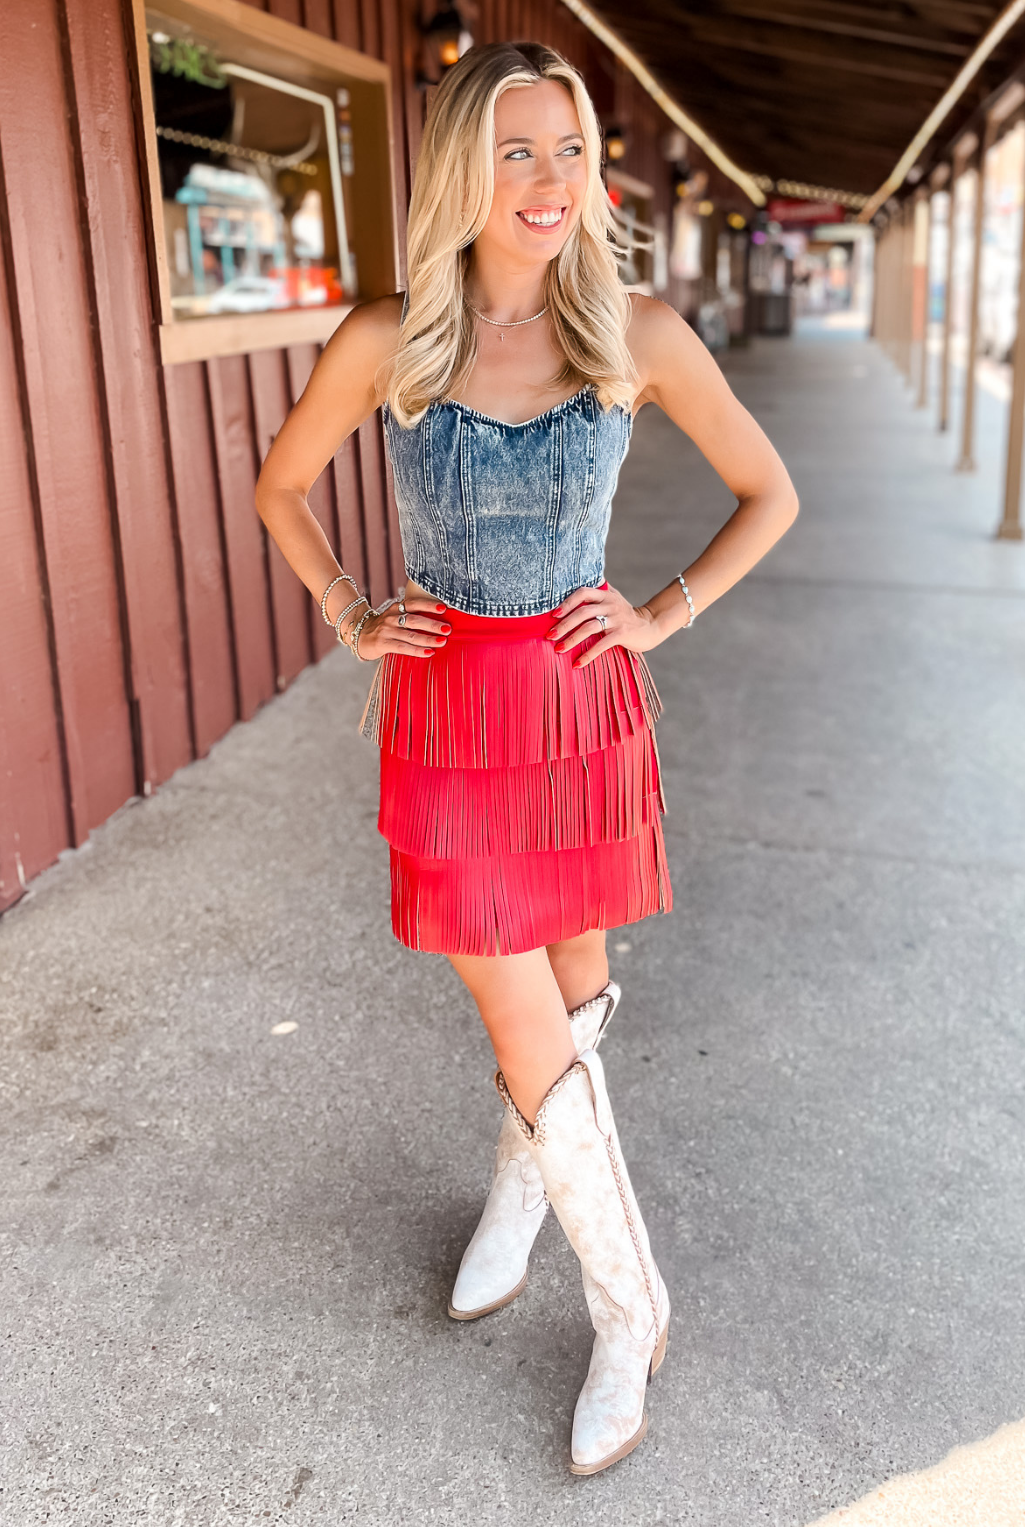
{"x":266,"y":45}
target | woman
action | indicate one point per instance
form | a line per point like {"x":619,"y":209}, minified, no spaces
{"x":520,"y":787}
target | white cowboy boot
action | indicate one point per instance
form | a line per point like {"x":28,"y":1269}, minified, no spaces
{"x":576,"y":1148}
{"x":494,"y":1266}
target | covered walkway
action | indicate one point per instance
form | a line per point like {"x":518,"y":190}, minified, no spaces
{"x":228,"y":1250}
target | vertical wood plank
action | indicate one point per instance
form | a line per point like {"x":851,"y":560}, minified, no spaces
{"x":214,"y":681}
{"x":347,"y":23}
{"x":34,"y":823}
{"x":244,"y":536}
{"x":396,"y":560}
{"x":317,"y":17}
{"x":352,"y":553}
{"x":268,"y":378}
{"x":147,"y":540}
{"x":375,"y":509}
{"x":370,"y":26}
{"x":410,"y":42}
{"x":391,"y":54}
{"x":61,"y":384}
{"x":301,"y":360}
{"x":286,"y":10}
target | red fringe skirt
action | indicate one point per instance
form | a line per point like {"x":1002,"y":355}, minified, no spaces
{"x":521,"y":797}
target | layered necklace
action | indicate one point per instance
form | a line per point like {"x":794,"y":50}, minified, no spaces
{"x":516,"y":324}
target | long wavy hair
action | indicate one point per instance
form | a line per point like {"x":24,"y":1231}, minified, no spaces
{"x":454,"y":184}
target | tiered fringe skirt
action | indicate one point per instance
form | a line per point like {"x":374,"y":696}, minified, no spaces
{"x":521,"y":797}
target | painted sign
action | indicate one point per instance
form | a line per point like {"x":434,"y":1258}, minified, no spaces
{"x":800,"y":213}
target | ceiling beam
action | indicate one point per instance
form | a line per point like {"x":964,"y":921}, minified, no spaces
{"x":992,"y":40}
{"x":814,"y":23}
{"x":842,"y":58}
{"x":672,"y":109}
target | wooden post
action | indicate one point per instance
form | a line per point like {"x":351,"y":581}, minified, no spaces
{"x":943,"y":422}
{"x":923,"y":247}
{"x":1010,"y":527}
{"x":892,"y":286}
{"x":906,"y":288}
{"x":885,"y":279}
{"x":966,"y":461}
{"x":877,"y":276}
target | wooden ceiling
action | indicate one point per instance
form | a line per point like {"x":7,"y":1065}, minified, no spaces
{"x":829,"y":92}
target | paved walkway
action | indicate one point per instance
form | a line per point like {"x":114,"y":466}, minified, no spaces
{"x":227,"y":1252}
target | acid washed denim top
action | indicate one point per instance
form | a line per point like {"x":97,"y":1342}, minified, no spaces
{"x":507,"y":519}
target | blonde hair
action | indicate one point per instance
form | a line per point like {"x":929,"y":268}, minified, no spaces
{"x":453,"y":189}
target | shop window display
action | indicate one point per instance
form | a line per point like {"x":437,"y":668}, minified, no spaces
{"x":252,"y":181}
{"x":270,"y":175}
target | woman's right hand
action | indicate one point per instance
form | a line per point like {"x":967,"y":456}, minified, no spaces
{"x":426,"y":630}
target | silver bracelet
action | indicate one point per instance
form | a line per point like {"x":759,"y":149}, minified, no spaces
{"x":353,"y":636}
{"x":342,"y":577}
{"x":690,"y":602}
{"x":348,"y":609}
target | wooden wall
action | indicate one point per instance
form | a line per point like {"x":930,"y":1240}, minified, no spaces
{"x":142,"y":609}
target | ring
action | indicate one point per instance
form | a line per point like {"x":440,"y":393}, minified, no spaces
{"x":402,"y":612}
{"x":602,"y":620}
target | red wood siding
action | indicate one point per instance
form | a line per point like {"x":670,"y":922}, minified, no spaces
{"x":142,"y":609}
{"x":54,"y":314}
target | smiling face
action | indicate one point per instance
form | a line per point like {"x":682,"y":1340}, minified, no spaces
{"x":540,"y":174}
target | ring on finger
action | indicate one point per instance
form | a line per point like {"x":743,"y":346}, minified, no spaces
{"x":402,"y":612}
{"x":602,"y":620}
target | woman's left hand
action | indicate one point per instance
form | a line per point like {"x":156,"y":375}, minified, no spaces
{"x":625,"y":625}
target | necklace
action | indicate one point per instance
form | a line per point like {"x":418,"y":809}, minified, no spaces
{"x":516,"y":324}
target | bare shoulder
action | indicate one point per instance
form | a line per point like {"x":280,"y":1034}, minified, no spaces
{"x":664,"y":347}
{"x":655,"y":327}
{"x":364,"y":339}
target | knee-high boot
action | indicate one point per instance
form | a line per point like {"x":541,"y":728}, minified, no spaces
{"x":494,"y":1265}
{"x":575,"y":1147}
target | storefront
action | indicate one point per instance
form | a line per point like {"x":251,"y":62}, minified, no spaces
{"x":231,"y":183}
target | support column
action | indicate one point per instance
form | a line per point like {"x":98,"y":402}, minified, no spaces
{"x":923,"y":247}
{"x":877,"y":276}
{"x":885,"y":278}
{"x":1010,"y":527}
{"x":966,"y":461}
{"x":943,"y":423}
{"x":905,"y":288}
{"x":879,"y":290}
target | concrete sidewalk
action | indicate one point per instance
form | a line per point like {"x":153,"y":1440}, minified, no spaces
{"x":227,"y":1253}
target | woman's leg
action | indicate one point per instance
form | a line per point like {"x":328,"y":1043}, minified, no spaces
{"x":493,"y":1269}
{"x":581,"y":967}
{"x":519,"y":999}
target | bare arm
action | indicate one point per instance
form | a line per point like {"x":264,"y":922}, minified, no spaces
{"x":338,"y":397}
{"x":683,"y":379}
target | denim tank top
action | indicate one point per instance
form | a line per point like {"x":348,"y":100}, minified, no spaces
{"x":507,"y":519}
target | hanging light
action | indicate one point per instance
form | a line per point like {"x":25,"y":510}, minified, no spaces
{"x":445,"y":38}
{"x":615,"y":143}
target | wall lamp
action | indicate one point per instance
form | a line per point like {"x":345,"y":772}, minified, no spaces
{"x":444,"y":38}
{"x":615,"y":143}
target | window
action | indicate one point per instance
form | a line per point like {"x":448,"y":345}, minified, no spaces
{"x":270,"y":177}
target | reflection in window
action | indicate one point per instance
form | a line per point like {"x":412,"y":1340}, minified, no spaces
{"x":254,"y":186}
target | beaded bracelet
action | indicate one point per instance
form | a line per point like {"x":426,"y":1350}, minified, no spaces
{"x":353,"y":636}
{"x":348,"y":610}
{"x":690,"y":602}
{"x":342,"y":577}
